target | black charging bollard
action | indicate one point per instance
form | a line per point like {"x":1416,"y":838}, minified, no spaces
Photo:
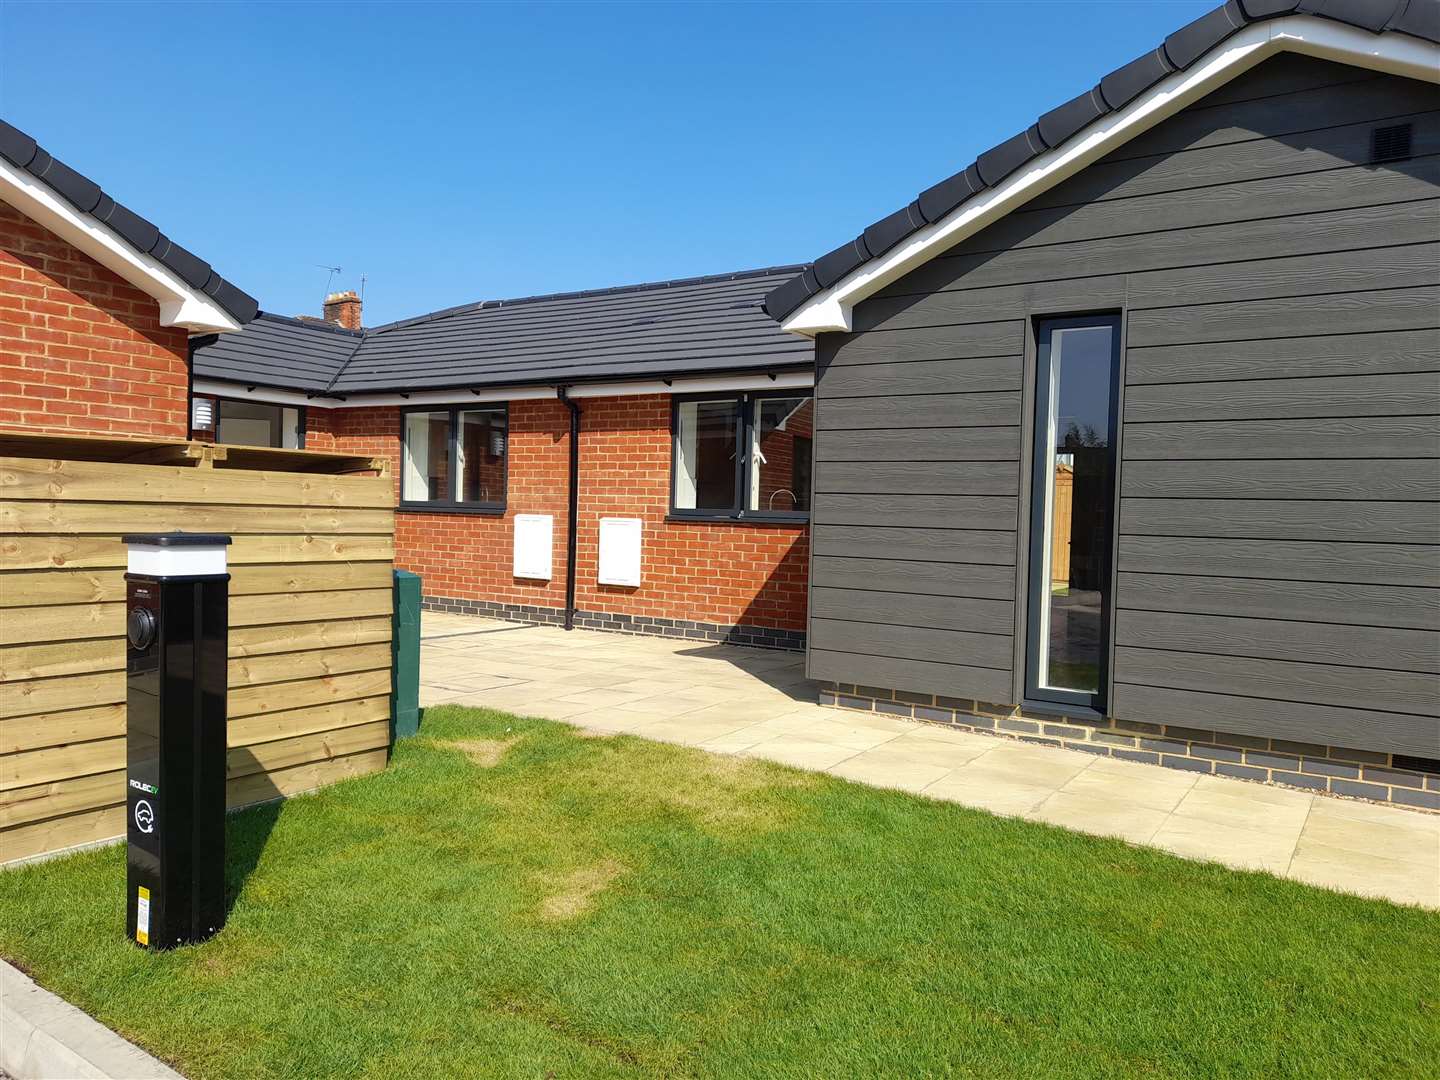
{"x":176,"y":627}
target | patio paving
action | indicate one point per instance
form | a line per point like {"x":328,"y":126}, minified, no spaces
{"x":757,"y":702}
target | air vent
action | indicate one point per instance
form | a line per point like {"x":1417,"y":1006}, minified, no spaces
{"x":1416,"y":764}
{"x":1391,"y":143}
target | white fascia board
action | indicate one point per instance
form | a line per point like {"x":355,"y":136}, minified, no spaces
{"x":246,"y":392}
{"x":180,"y":304}
{"x":1395,"y":54}
{"x":787,"y":380}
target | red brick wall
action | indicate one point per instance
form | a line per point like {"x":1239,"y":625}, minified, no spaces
{"x":728,"y":574}
{"x":80,"y":348}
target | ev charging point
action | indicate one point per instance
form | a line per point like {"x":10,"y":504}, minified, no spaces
{"x":176,"y":629}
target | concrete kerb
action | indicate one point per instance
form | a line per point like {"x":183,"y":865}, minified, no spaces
{"x":44,"y":1037}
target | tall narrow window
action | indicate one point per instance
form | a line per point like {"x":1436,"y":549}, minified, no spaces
{"x":1072,"y":498}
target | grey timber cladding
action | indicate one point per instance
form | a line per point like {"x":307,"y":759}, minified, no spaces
{"x":274,"y":351}
{"x":692,"y":326}
{"x":1278,"y":547}
{"x":85,"y":195}
{"x":1416,"y":18}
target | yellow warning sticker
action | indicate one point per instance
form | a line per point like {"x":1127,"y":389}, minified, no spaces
{"x":142,"y":916}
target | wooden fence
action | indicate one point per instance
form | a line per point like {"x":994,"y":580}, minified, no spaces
{"x":310,"y":615}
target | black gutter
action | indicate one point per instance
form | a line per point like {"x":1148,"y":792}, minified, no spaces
{"x":572,"y":523}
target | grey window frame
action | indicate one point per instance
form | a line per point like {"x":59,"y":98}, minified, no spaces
{"x":455,"y":506}
{"x":744,"y":431}
{"x":1037,"y":585}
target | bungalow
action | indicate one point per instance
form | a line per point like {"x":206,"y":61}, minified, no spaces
{"x":632,"y":459}
{"x":1127,"y":436}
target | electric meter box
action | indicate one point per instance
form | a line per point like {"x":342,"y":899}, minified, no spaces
{"x":176,"y":630}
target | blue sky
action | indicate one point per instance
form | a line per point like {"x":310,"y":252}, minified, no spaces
{"x":456,"y":152}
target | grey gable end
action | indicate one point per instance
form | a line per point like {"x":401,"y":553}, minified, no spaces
{"x":1275,"y":578}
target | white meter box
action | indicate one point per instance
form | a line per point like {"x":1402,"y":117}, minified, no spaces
{"x":620,"y":543}
{"x":534,"y":546}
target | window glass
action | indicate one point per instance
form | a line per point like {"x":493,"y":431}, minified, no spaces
{"x":255,"y":423}
{"x":780,"y":433}
{"x":481,"y":455}
{"x":1075,"y":485}
{"x":427,"y":457}
{"x":705,"y":450}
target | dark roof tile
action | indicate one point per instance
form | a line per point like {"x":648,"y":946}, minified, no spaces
{"x":1418,"y":18}
{"x":1079,"y":112}
{"x":1372,"y":15}
{"x":15,"y":146}
{"x":831,"y":267}
{"x":889,"y":231}
{"x":86,"y":196}
{"x":1125,"y":84}
{"x":1194,"y":40}
{"x":670,"y":328}
{"x":1000,"y":161}
{"x":935,"y":202}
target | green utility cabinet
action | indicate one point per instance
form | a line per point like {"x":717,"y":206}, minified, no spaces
{"x":405,"y":657}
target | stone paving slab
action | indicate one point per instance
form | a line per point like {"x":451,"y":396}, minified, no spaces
{"x":736,"y":700}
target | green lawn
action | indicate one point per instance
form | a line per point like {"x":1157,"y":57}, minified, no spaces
{"x":614,"y":907}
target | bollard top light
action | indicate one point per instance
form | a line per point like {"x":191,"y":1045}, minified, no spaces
{"x":176,"y":554}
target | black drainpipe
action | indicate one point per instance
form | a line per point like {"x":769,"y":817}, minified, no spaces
{"x":573,"y":524}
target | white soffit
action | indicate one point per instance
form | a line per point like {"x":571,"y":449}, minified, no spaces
{"x":180,"y":304}
{"x":1394,"y":54}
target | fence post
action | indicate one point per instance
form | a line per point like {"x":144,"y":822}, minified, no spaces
{"x":405,"y":653}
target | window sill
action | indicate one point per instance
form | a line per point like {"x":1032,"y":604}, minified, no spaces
{"x":733,"y":519}
{"x":449,"y":508}
{"x":1030,"y":707}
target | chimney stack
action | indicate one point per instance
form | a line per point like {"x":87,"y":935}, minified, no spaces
{"x":343,"y":309}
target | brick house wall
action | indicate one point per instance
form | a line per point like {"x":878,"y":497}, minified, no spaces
{"x":81,"y":349}
{"x":716,"y":574}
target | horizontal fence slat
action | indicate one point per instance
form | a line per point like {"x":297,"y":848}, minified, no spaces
{"x":913,"y":609}
{"x":258,"y":670}
{"x":61,"y":762}
{"x":262,"y":787}
{"x":277,"y":697}
{"x":57,"y":729}
{"x":26,"y":696}
{"x":1266,"y":519}
{"x":295,"y":637}
{"x":919,"y":444}
{"x":56,"y":834}
{"x":60,"y":658}
{"x":22,"y":516}
{"x":283,"y":753}
{"x":21,"y":806}
{"x":267,"y":727}
{"x":44,"y":552}
{"x":272,"y":608}
{"x":917,"y":478}
{"x":923,"y":545}
{"x":44,"y":588}
{"x":49,"y":479}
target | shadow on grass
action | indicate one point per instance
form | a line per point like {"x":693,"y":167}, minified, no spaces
{"x":246,"y":833}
